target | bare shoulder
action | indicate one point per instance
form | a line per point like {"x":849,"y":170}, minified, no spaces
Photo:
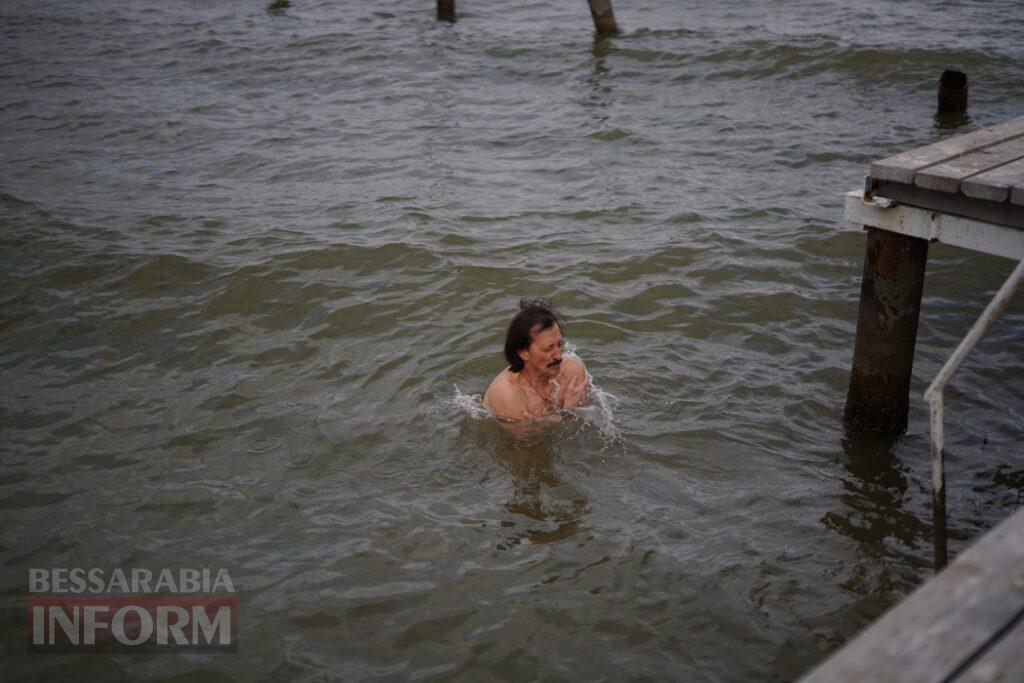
{"x":503,"y":398}
{"x":572,"y":367}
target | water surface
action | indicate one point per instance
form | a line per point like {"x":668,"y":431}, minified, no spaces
{"x":251,"y":261}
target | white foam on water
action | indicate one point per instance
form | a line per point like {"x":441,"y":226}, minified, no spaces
{"x":598,"y":413}
{"x":470,"y":404}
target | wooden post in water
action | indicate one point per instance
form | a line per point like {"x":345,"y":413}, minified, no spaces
{"x":604,"y":17}
{"x":883,"y":353}
{"x":953,"y":93}
{"x":446,"y":10}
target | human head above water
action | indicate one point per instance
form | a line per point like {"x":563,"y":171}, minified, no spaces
{"x":535,"y":315}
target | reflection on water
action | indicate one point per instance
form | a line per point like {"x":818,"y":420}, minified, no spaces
{"x":875,"y":497}
{"x":948,"y":123}
{"x":553,"y":510}
{"x":599,"y":88}
{"x":881,"y":512}
{"x":278,"y":6}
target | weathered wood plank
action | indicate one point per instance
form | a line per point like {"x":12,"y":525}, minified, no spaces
{"x":936,"y":630}
{"x":997,"y":184}
{"x":1002,"y":662}
{"x":902,"y":167}
{"x":946,"y":177}
{"x":1002,"y":213}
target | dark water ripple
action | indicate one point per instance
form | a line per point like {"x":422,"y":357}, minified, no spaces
{"x":248,"y":256}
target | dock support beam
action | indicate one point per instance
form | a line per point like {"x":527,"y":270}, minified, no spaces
{"x":446,"y":10}
{"x":883,"y":353}
{"x":604,"y":17}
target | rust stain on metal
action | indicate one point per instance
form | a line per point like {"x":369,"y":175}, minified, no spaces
{"x":885,"y":262}
{"x":887,"y":318}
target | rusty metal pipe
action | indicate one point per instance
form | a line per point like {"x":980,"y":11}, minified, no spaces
{"x":941,"y":556}
{"x":934,"y":396}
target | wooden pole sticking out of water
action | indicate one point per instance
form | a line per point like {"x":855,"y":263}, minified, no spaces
{"x":953,"y":93}
{"x":604,"y":17}
{"x":446,"y":10}
{"x":883,"y":353}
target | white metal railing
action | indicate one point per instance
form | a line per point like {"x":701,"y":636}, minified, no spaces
{"x":934,"y":397}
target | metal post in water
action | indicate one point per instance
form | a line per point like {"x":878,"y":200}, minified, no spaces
{"x":934,"y":396}
{"x":952,"y":93}
{"x":883,"y":354}
{"x":604,"y":17}
{"x":446,"y":10}
{"x":941,"y":556}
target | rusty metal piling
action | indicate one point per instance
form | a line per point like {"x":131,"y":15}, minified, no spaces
{"x":883,"y":355}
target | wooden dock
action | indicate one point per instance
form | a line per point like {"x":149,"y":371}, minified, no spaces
{"x":965,"y":191}
{"x":979,"y":175}
{"x":964,"y":625}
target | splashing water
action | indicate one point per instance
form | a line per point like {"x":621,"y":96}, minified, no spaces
{"x":599,"y":410}
{"x":470,"y":404}
{"x":598,"y":413}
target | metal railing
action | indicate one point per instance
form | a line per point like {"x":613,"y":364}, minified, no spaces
{"x":934,"y":397}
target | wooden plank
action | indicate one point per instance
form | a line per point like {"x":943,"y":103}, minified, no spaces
{"x":946,"y":177}
{"x":1001,"y":662}
{"x":944,"y":623}
{"x":902,"y":167}
{"x":1002,"y":213}
{"x":997,"y":184}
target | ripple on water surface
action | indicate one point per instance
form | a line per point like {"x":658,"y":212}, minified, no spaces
{"x":257,"y":265}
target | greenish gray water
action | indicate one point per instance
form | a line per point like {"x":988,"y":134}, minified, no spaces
{"x":253,"y":263}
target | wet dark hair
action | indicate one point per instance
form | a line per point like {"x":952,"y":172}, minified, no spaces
{"x":533,"y":315}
